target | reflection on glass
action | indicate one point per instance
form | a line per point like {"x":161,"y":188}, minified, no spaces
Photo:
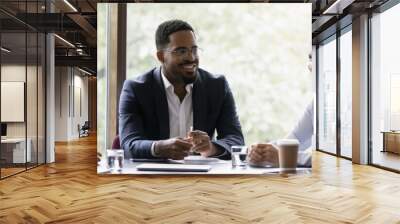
{"x":346,"y":94}
{"x":13,"y":86}
{"x":385,"y":85}
{"x":327,"y":96}
{"x":23,"y":91}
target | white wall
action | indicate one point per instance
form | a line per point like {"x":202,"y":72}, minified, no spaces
{"x":61,"y":103}
{"x":12,"y":73}
{"x":71,"y":94}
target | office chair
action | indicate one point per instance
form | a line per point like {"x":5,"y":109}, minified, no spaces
{"x":84,"y":130}
{"x":116,"y":144}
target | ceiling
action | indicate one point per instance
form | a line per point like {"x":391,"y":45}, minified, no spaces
{"x":75,"y":21}
{"x":75,"y":43}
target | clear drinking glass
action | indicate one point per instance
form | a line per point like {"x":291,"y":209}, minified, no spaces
{"x":239,"y":156}
{"x":115,"y":159}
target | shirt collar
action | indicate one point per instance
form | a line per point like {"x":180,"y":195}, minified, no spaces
{"x":168,"y":85}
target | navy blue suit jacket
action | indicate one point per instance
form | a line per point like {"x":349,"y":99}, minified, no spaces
{"x":144,"y":118}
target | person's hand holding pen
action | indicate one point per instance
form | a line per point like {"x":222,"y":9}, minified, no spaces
{"x":201,"y":143}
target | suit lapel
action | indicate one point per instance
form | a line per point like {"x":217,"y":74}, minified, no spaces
{"x":161,"y":104}
{"x":199,"y":104}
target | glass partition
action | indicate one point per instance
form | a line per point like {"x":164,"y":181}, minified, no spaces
{"x":22,"y":67}
{"x":385,"y":89}
{"x":13,"y":103}
{"x":327,"y":96}
{"x":346,"y":93}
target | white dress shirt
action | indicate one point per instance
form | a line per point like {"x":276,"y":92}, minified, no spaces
{"x":180,"y":113}
{"x":303,"y":131}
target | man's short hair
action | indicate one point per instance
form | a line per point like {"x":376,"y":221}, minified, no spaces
{"x":167,"y":28}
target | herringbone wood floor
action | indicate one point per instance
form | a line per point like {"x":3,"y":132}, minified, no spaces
{"x":70,"y":191}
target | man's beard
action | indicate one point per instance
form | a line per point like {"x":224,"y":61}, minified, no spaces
{"x":189,"y":80}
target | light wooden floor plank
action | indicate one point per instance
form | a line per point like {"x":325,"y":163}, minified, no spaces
{"x":70,"y":191}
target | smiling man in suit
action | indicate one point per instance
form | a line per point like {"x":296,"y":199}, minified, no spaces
{"x":158,"y":109}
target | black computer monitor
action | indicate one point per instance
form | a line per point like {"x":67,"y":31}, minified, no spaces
{"x":3,"y":129}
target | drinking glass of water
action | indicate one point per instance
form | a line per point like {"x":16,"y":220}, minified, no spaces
{"x":239,"y":156}
{"x":115,"y":159}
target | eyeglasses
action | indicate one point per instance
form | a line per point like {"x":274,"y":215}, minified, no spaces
{"x":183,"y":51}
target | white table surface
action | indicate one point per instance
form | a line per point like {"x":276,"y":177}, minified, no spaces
{"x":222,"y":167}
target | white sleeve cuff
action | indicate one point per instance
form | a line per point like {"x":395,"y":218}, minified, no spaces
{"x":152,"y":149}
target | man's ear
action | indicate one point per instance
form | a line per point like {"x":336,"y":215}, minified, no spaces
{"x":160,"y":56}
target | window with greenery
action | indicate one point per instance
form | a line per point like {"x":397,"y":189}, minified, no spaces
{"x":262,"y":49}
{"x":102,"y":26}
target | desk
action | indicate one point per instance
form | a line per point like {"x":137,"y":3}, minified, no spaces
{"x":223,"y":167}
{"x":13,"y":150}
{"x":391,"y":141}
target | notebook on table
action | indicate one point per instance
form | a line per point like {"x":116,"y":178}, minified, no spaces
{"x":173,"y":167}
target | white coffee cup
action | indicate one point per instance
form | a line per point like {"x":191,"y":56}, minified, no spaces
{"x":288,"y":150}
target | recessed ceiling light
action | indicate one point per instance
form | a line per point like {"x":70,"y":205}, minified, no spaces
{"x":70,"y":5}
{"x":84,"y":71}
{"x":64,"y":40}
{"x":337,"y":7}
{"x":5,"y":50}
